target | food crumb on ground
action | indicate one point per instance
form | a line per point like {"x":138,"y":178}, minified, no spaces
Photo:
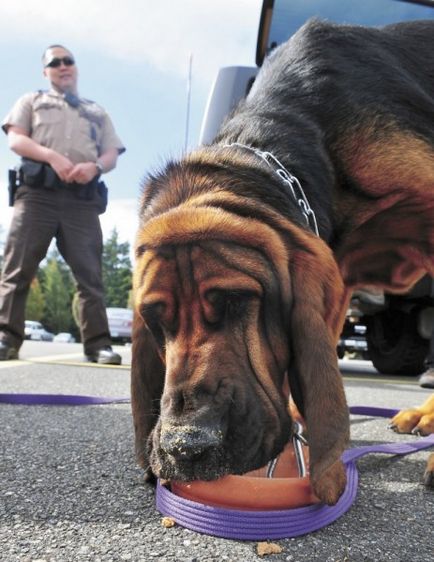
{"x":264,"y":548}
{"x":168,"y":522}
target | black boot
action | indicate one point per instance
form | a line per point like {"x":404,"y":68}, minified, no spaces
{"x":104,"y":356}
{"x":7,"y":351}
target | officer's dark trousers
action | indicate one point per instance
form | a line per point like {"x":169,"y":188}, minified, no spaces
{"x":39,"y":216}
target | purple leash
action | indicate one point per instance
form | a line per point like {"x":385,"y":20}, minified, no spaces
{"x":80,"y":400}
{"x":373,"y":411}
{"x":247,"y":525}
{"x":279,"y":524}
{"x":58,"y":400}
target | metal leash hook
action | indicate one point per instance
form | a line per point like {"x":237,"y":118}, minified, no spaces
{"x":298,"y":440}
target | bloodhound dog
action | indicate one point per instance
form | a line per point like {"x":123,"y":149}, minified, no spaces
{"x":321,"y":181}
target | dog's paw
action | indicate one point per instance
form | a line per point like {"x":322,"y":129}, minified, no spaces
{"x":428,"y":477}
{"x":406,"y":421}
{"x":330,"y":484}
{"x":425,"y":425}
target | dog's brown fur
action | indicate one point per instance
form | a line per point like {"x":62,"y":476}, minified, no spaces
{"x":233,"y":290}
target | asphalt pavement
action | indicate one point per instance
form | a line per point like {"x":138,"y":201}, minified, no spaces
{"x":70,"y":489}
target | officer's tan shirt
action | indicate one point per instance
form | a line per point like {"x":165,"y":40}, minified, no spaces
{"x":80,"y":133}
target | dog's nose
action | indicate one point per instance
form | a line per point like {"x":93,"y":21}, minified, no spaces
{"x":185,"y":442}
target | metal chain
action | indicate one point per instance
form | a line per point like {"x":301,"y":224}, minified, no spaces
{"x":288,"y":179}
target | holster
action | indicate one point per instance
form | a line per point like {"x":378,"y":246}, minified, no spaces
{"x":102,"y":192}
{"x":13,"y":185}
{"x":32,"y":173}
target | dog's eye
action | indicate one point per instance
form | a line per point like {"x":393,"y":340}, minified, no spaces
{"x":153,"y":314}
{"x":237,"y":301}
{"x":228,"y":304}
{"x":217,"y":300}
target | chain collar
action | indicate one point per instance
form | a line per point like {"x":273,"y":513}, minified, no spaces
{"x":288,"y":179}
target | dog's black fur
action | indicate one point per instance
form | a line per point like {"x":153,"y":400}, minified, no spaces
{"x":327,"y":79}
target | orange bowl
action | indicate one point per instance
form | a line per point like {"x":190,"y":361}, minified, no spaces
{"x":253,"y":490}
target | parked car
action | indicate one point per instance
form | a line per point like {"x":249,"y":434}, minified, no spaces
{"x":42,"y":335}
{"x":30,"y":326}
{"x":64,"y":337}
{"x":120,"y":323}
{"x":34,"y":330}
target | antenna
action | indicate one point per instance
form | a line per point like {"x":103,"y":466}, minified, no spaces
{"x":187,"y":117}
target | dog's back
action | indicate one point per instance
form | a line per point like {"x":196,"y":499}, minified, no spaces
{"x":336,"y":74}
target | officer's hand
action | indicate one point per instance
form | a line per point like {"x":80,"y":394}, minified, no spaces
{"x":61,"y":165}
{"x":82,"y":173}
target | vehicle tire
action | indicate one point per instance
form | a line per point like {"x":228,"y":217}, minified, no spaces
{"x":394,"y":345}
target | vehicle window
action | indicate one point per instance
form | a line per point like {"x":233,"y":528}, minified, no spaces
{"x":289,"y":15}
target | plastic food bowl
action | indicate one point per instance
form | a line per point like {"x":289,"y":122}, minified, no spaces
{"x":221,"y":516}
{"x":283,"y":484}
{"x":274,"y":502}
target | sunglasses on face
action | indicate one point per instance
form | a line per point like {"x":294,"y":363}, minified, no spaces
{"x":56,"y":62}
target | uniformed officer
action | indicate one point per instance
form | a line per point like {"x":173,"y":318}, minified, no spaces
{"x":66,"y":143}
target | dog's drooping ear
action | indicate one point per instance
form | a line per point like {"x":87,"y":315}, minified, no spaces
{"x":319,"y":305}
{"x":147,"y":382}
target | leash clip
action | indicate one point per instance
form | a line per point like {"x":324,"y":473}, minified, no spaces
{"x":298,"y":440}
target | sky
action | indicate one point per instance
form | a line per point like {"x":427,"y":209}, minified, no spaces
{"x":133,"y":59}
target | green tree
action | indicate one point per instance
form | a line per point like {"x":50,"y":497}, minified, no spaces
{"x":35,"y":301}
{"x":58,"y":295}
{"x":130,"y":303}
{"x":116,"y":271}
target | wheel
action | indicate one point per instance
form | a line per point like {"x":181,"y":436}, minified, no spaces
{"x":394,"y":345}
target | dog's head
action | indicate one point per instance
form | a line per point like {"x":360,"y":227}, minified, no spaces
{"x":230,"y":296}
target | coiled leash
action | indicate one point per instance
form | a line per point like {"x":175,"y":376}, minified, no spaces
{"x":287,"y":523}
{"x":239,"y":524}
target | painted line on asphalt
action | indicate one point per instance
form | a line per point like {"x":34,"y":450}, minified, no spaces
{"x":59,"y":357}
{"x":48,"y":360}
{"x":378,"y":379}
{"x":78,"y":364}
{"x":12,"y":363}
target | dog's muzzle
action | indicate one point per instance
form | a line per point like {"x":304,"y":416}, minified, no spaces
{"x":187,"y":442}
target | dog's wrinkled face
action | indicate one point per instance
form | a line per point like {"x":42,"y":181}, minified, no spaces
{"x":219,"y":318}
